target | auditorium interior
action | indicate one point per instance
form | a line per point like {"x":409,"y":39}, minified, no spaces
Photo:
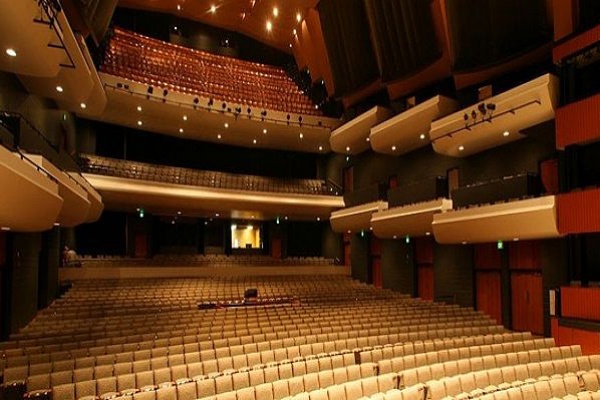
{"x":199,"y":199}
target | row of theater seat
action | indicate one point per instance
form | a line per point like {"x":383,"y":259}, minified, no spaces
{"x":147,"y":359}
{"x":185,"y":70}
{"x":341,"y":340}
{"x":94,"y":164}
{"x":220,"y":377}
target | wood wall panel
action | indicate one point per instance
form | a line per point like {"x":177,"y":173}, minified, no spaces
{"x":488,"y":288}
{"x":524,"y":255}
{"x":487,"y":256}
{"x":549,"y":175}
{"x":578,"y":122}
{"x":579,"y":212}
{"x":567,"y":336}
{"x":527,"y":302}
{"x":375,"y":247}
{"x":425,"y":288}
{"x":313,"y":23}
{"x":377,"y":278}
{"x":424,"y":250}
{"x":580,"y":303}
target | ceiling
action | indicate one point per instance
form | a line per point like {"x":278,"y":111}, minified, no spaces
{"x":248,"y":17}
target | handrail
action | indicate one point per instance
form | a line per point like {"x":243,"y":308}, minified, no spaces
{"x":33,"y":164}
{"x":45,"y":140}
{"x":201,"y":106}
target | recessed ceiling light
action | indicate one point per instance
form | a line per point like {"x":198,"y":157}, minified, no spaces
{"x":347,"y":148}
{"x":219,"y":136}
{"x":178,"y":212}
{"x":175,"y":28}
{"x":213,"y":9}
{"x":515,"y":239}
{"x":11,"y":52}
{"x":422,"y":137}
{"x":368,"y":139}
{"x":349,"y":231}
{"x":290,"y":45}
{"x":294,"y":32}
{"x":185,"y":117}
{"x":395,"y":237}
{"x":139,"y":108}
{"x":298,"y":17}
{"x":461,"y":147}
{"x":226,"y":125}
{"x":318,"y":218}
{"x":5,"y":228}
{"x":320,"y":148}
{"x":506,"y":133}
{"x":275,"y":11}
{"x":301,"y":135}
{"x":59,"y":89}
{"x":427,"y":233}
{"x":265,"y":131}
{"x":254,"y":141}
{"x":180,"y":130}
{"x":285,"y":217}
{"x":83,"y":106}
{"x":464,"y":242}
{"x":139,"y":123}
{"x":393,"y":148}
{"x":216,"y":214}
{"x":178,"y":7}
{"x":269,"y":26}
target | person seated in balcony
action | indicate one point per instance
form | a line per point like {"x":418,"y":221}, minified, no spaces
{"x":70,"y":258}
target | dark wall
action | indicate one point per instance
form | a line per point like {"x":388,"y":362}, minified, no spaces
{"x":524,"y":155}
{"x":120,"y":142}
{"x":360,"y":257}
{"x":453,"y":274}
{"x":554,"y":259}
{"x":304,"y":239}
{"x":332,"y":243}
{"x":398,"y":269}
{"x":51,"y":132}
{"x":50,"y":258}
{"x":107,"y":236}
{"x":22,"y":282}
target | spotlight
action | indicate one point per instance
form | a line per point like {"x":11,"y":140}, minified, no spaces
{"x":165,"y":92}
{"x":300,"y":118}
{"x":288,"y":117}
{"x":491,"y":106}
{"x":150,"y":90}
{"x":466,"y":117}
{"x":474,"y":114}
{"x":224,"y":106}
{"x":249,"y":111}
{"x":238,"y":110}
{"x":481,"y":108}
{"x":196,"y":100}
{"x":211,"y":102}
{"x":263,"y":113}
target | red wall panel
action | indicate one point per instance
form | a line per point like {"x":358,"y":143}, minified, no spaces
{"x":578,"y":122}
{"x":489,"y":293}
{"x":487,"y":256}
{"x":549,"y":172}
{"x":376,"y":266}
{"x":524,"y":255}
{"x":579,"y":212}
{"x":425,"y":282}
{"x":527,"y":302}
{"x":375,"y":247}
{"x":580,"y":302}
{"x":566,"y":336}
{"x":575,"y":44}
{"x":424,"y":250}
